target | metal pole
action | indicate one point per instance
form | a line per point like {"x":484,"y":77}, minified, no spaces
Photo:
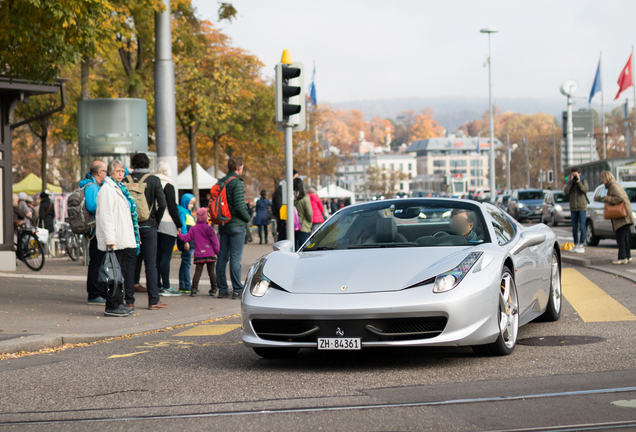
{"x":527,"y":162}
{"x":165,"y":109}
{"x":289,"y":179}
{"x":570,"y":135}
{"x":554,"y":155}
{"x":627,"y":144}
{"x":491,"y":169}
{"x":603,"y":110}
{"x":508,"y":161}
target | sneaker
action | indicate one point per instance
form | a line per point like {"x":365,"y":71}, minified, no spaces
{"x":629,"y":260}
{"x":157,"y":306}
{"x":621,"y":261}
{"x":121,"y":311}
{"x":236,"y":295}
{"x":224,"y":295}
{"x":579,"y":249}
{"x":101,"y":301}
{"x":183,"y":290}
{"x":213,"y":291}
{"x":169,"y":292}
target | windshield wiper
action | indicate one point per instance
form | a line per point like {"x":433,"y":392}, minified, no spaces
{"x":381,"y":245}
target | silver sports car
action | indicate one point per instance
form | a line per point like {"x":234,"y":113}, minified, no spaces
{"x":408,"y":272}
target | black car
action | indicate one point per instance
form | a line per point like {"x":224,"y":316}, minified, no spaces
{"x":525,"y":204}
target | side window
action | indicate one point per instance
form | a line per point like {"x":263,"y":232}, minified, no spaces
{"x":503,"y":228}
{"x":600,"y":193}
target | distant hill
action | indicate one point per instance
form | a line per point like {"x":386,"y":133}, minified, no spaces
{"x":452,"y":112}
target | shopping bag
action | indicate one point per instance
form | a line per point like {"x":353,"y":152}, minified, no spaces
{"x":110,"y":273}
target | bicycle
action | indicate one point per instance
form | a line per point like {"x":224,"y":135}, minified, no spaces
{"x":29,"y":249}
{"x":64,"y":241}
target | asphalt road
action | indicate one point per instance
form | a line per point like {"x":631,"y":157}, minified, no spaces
{"x":202,"y":378}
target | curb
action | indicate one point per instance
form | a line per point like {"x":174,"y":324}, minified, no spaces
{"x":585,"y":262}
{"x":624,"y":275}
{"x":38,"y":342}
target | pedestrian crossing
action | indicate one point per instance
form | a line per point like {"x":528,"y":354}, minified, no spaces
{"x":591,"y":302}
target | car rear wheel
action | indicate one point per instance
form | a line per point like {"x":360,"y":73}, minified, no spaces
{"x":590,"y":238}
{"x":553,"y":311}
{"x":508,"y":318}
{"x":276,"y":353}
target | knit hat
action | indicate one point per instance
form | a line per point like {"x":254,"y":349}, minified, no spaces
{"x":202,"y":214}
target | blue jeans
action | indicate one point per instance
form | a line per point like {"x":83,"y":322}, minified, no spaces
{"x":184,"y":269}
{"x":578,"y":220}
{"x":232,"y":241}
{"x":301,"y":238}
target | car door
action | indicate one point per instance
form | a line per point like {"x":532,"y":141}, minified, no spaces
{"x":602,"y":227}
{"x":546,"y":207}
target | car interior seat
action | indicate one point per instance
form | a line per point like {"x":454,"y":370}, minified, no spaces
{"x":386,"y":232}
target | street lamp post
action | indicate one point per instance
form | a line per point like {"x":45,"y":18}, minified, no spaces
{"x":491,"y":168}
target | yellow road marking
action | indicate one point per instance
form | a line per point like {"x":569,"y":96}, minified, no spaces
{"x":592,"y":303}
{"x":209,"y":330}
{"x":127,"y":355}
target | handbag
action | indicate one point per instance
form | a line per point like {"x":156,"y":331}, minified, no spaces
{"x":110,"y":273}
{"x":615,"y":211}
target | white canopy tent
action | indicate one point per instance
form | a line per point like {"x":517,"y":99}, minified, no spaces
{"x":333,"y":191}
{"x":184,"y":180}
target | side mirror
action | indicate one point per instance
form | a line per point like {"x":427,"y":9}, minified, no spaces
{"x":284,"y":246}
{"x":526,"y":240}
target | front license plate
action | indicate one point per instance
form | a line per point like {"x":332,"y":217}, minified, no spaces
{"x":339,"y":344}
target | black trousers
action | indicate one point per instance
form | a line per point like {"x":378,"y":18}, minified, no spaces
{"x":115,"y":295}
{"x":281,"y":227}
{"x":622,"y":238}
{"x":148,"y":254}
{"x":211,"y":273}
{"x":95,"y":261}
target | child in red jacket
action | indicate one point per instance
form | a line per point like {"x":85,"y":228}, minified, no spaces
{"x":206,"y":249}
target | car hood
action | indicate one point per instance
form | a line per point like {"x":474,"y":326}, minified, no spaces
{"x":360,"y":271}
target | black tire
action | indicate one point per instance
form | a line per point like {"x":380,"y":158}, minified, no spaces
{"x":72,"y":246}
{"x":503,"y":346}
{"x":555,"y":302}
{"x":590,"y":238}
{"x":276,"y":353}
{"x":31,"y":251}
{"x":554,"y":221}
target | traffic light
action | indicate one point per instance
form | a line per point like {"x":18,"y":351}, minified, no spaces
{"x":290,"y":94}
{"x":550,"y":176}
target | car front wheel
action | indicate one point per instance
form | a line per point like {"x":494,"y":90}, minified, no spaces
{"x":508,"y":318}
{"x":590,"y":238}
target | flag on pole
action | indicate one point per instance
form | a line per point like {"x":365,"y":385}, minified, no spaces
{"x":597,"y":86}
{"x":312,"y":88}
{"x":625,"y":80}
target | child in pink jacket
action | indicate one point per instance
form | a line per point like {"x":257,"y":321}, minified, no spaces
{"x":206,"y":249}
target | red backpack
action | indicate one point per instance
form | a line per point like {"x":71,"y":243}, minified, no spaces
{"x":219,"y":208}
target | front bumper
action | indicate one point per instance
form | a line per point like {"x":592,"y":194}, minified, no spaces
{"x":463,"y":316}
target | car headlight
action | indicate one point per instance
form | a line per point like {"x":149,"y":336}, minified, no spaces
{"x":257,"y":282}
{"x":558,"y":208}
{"x":449,"y":280}
{"x":520,"y":205}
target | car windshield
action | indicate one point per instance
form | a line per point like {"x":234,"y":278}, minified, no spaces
{"x":561,"y":197}
{"x":531,"y":195}
{"x":403,"y":223}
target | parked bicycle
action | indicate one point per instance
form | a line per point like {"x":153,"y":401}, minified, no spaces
{"x":65,"y":241}
{"x":29,"y":249}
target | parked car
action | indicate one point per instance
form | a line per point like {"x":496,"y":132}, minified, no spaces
{"x":599,"y":228}
{"x":526,"y":204}
{"x":556,"y":208}
{"x":502,"y":202}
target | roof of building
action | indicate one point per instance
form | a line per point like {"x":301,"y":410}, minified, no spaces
{"x":448,"y":144}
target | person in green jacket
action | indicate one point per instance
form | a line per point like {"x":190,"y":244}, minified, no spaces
{"x":305,"y":214}
{"x":577,"y":187}
{"x":232,"y":234}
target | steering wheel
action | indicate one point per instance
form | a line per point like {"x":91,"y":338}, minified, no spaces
{"x":441,"y":233}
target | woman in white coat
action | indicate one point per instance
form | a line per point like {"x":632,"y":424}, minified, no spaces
{"x":116,"y":229}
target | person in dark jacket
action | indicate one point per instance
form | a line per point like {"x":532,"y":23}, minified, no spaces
{"x":277,"y":203}
{"x":261,"y":220}
{"x":232,"y":234}
{"x":47,"y":212}
{"x":167,"y":231}
{"x":148,"y":232}
{"x":91,"y":184}
{"x":577,"y":187}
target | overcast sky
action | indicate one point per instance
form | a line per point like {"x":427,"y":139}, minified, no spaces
{"x":401,"y":48}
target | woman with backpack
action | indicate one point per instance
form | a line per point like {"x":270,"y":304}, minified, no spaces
{"x":305,"y":214}
{"x":167,"y":230}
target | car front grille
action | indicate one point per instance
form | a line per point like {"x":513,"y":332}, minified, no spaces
{"x":370,"y":330}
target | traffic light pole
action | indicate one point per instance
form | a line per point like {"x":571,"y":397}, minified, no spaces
{"x":289,"y":179}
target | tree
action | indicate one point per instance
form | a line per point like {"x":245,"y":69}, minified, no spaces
{"x":383,"y":181}
{"x":425,"y":126}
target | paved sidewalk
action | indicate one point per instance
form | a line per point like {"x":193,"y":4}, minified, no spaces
{"x":48,"y":308}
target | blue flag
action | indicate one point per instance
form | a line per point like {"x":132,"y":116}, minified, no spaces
{"x":596,"y":87}
{"x":312,"y":88}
